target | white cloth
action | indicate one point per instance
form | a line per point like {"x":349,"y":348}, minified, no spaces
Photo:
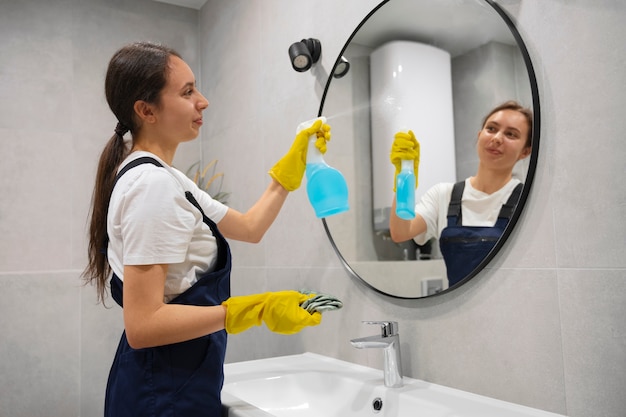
{"x":477,"y":208}
{"x":151,"y":222}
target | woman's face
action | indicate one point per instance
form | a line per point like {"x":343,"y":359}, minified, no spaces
{"x":502,"y":140}
{"x":179,"y":115}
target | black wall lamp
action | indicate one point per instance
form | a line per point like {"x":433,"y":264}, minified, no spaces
{"x":304,"y":54}
{"x":341,"y":68}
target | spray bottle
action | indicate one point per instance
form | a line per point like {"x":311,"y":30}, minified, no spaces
{"x":326,"y":187}
{"x":405,"y":191}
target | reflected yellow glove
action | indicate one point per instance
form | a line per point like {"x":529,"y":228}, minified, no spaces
{"x":290,"y":169}
{"x":405,"y":146}
{"x":280,"y":311}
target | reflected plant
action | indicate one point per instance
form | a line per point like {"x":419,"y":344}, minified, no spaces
{"x":207,"y":179}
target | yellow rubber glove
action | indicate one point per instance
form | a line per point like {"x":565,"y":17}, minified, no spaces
{"x":290,"y":169}
{"x":280,"y":311}
{"x":405,"y":146}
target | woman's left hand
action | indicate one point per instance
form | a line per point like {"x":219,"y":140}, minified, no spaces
{"x":289,"y":170}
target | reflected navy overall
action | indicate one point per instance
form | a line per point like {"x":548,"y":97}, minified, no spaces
{"x":464,"y":247}
{"x":180,"y":379}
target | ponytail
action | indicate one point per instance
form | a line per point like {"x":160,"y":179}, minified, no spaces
{"x":98,"y":268}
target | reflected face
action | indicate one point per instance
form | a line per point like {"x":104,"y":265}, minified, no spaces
{"x":180,"y":110}
{"x":502,"y":140}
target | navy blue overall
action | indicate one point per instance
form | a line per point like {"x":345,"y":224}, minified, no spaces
{"x":464,"y":247}
{"x":182,"y":379}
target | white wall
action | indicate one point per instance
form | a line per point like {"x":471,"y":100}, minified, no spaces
{"x":543,"y":326}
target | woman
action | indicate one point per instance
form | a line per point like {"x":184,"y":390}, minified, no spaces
{"x":470,"y":216}
{"x":161,"y":240}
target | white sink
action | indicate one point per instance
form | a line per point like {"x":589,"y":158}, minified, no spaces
{"x":311,"y":385}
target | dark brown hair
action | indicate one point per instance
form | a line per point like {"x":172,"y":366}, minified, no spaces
{"x":514,"y":105}
{"x":137,"y":71}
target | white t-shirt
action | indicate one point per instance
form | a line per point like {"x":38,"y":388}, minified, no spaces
{"x":151,"y":222}
{"x":477,"y":208}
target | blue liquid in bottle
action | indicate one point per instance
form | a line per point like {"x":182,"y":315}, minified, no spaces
{"x":405,"y":191}
{"x":327,"y":190}
{"x":326,"y":187}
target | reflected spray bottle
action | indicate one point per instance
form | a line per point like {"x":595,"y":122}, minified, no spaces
{"x":405,"y":191}
{"x":326,"y":187}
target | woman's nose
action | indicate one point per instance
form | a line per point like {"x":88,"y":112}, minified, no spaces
{"x":203,"y":103}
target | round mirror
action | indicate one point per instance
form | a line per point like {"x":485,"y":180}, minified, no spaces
{"x":465,"y":57}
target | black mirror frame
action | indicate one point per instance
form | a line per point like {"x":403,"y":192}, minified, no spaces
{"x":531,"y":168}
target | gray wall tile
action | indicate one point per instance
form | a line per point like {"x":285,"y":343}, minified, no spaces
{"x":40,"y":350}
{"x":594,"y":340}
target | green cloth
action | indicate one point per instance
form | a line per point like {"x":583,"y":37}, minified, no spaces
{"x":320,"y":302}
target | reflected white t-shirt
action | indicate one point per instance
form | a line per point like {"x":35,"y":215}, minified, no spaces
{"x":150,"y":222}
{"x":477,"y":208}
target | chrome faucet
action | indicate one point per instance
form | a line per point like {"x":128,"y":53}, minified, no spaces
{"x":389,"y":341}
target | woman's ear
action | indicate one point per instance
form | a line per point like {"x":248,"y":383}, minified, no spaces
{"x":525,"y":152}
{"x":144,"y":111}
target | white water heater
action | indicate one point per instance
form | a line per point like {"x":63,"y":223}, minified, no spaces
{"x":411,"y":89}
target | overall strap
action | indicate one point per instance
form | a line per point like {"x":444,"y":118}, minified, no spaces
{"x":454,"y":208}
{"x":222,"y":245}
{"x":507,"y":208}
{"x":207,"y":221}
{"x":133,"y":164}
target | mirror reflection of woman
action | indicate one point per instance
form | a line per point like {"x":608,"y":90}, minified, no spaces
{"x":469,"y":217}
